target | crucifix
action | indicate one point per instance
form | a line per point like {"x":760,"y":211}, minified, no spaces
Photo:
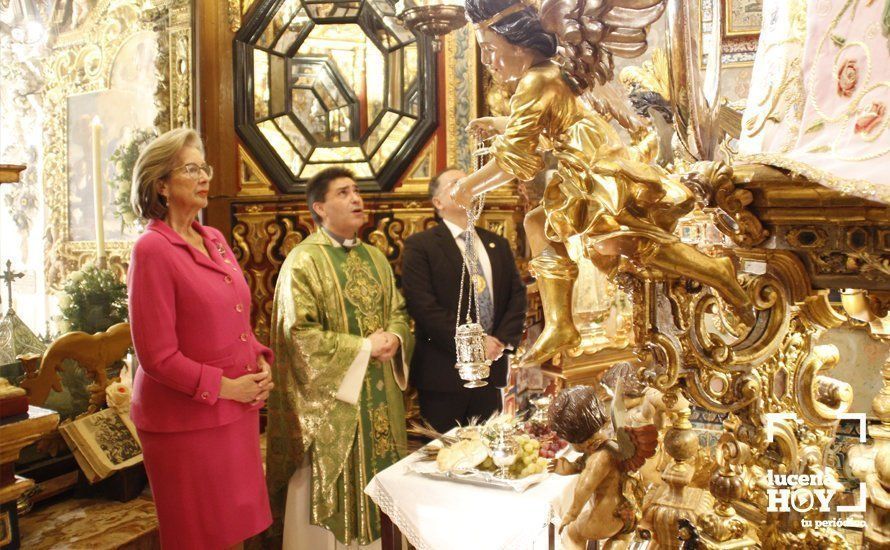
{"x":8,"y":277}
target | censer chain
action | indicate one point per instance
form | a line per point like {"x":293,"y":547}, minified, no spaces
{"x":470,"y":263}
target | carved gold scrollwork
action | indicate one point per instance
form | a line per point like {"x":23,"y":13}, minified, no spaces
{"x":234,"y":15}
{"x":722,"y":393}
{"x":783,"y":450}
{"x":261,"y":242}
{"x":821,"y":398}
{"x":713,"y":350}
{"x":291,"y":238}
{"x":713,"y":182}
{"x":662,"y":352}
{"x":378,"y":237}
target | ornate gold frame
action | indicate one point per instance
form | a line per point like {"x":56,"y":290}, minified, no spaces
{"x":461,"y":104}
{"x":727,"y":22}
{"x":736,"y":37}
{"x":81,"y":62}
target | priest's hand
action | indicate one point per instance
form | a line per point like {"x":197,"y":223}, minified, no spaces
{"x":494,"y":348}
{"x":384,"y":345}
{"x":244,"y":389}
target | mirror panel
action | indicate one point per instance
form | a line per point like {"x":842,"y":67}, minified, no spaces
{"x":261,"y":84}
{"x":392,"y":141}
{"x":295,"y":135}
{"x":282,"y":18}
{"x":297,"y":26}
{"x":333,"y":82}
{"x":280,"y":143}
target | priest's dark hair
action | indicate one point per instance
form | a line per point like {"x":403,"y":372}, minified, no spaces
{"x":576,"y":414}
{"x":522,"y":28}
{"x":318,"y":185}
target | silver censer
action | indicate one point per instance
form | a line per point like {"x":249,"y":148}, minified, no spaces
{"x":469,"y":337}
{"x":473,"y":367}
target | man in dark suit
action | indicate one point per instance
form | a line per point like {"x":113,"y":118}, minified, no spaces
{"x":431,"y":271}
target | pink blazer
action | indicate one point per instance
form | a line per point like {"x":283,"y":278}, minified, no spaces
{"x":190,"y":321}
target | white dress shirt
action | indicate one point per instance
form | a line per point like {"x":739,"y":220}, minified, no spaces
{"x":481,"y":253}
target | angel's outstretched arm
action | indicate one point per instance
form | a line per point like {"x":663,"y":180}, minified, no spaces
{"x":489,"y":177}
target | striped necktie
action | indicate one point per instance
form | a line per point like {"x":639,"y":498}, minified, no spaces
{"x":483,"y":293}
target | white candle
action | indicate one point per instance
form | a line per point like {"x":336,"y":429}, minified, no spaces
{"x":96,"y":127}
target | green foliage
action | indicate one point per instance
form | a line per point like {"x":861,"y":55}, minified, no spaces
{"x":124,"y":160}
{"x":94,"y":299}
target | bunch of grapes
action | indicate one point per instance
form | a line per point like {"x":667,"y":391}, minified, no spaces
{"x":551,"y":446}
{"x":550,"y":442}
{"x":537,"y":430}
{"x":528,"y":458}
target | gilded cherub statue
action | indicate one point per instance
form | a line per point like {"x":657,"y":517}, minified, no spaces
{"x":577,"y":416}
{"x":558,"y":66}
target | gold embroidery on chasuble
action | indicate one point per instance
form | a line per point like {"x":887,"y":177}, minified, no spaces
{"x":363,"y":292}
{"x":383,"y":440}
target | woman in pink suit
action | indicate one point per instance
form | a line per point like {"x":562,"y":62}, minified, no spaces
{"x":202,"y":374}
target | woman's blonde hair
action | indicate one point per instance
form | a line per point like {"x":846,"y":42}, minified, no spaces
{"x":154,"y":164}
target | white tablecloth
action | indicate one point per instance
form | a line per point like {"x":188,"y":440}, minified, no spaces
{"x":438,"y":514}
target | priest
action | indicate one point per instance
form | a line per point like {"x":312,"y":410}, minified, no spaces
{"x":343,"y":346}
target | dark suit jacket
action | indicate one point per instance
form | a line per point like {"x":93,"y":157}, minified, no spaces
{"x":431,"y":268}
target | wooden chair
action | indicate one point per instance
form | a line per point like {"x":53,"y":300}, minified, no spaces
{"x":49,"y":461}
{"x":94,"y":353}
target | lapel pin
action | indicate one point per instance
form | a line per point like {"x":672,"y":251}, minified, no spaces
{"x":490,"y":245}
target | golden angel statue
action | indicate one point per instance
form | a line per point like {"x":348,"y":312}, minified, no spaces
{"x":611,"y":456}
{"x":558,"y":66}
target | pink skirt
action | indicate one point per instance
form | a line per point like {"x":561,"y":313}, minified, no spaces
{"x":208,"y":485}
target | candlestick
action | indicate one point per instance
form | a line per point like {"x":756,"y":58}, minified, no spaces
{"x":96,"y":128}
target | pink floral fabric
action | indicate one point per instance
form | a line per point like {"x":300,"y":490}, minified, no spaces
{"x":818,"y":102}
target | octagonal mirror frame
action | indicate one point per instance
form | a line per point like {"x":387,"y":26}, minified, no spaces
{"x":396,"y":162}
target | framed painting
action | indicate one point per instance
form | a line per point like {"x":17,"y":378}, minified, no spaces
{"x":739,"y":31}
{"x":742,"y":18}
{"x":126,"y":114}
{"x":129,"y":69}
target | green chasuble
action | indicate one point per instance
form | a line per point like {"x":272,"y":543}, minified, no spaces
{"x":327,"y":300}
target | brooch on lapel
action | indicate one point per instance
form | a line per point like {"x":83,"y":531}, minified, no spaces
{"x":221,"y":249}
{"x":490,"y":245}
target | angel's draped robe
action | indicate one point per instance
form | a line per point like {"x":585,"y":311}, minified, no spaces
{"x":334,"y":409}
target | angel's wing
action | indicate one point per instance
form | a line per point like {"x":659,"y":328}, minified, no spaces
{"x":634,"y":445}
{"x":590,"y":32}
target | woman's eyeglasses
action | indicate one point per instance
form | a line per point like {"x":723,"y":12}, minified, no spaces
{"x":194,"y":170}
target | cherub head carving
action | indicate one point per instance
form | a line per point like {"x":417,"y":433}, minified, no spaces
{"x":511,"y":37}
{"x":577,"y":415}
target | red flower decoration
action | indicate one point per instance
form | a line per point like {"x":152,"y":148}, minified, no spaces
{"x":869,"y":120}
{"x":847,"y":78}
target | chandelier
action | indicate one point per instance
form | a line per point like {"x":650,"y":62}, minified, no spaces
{"x":434,"y":18}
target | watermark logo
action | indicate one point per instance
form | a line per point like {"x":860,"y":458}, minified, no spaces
{"x":804,"y":493}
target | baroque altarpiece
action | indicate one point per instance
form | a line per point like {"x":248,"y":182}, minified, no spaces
{"x":276,"y":98}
